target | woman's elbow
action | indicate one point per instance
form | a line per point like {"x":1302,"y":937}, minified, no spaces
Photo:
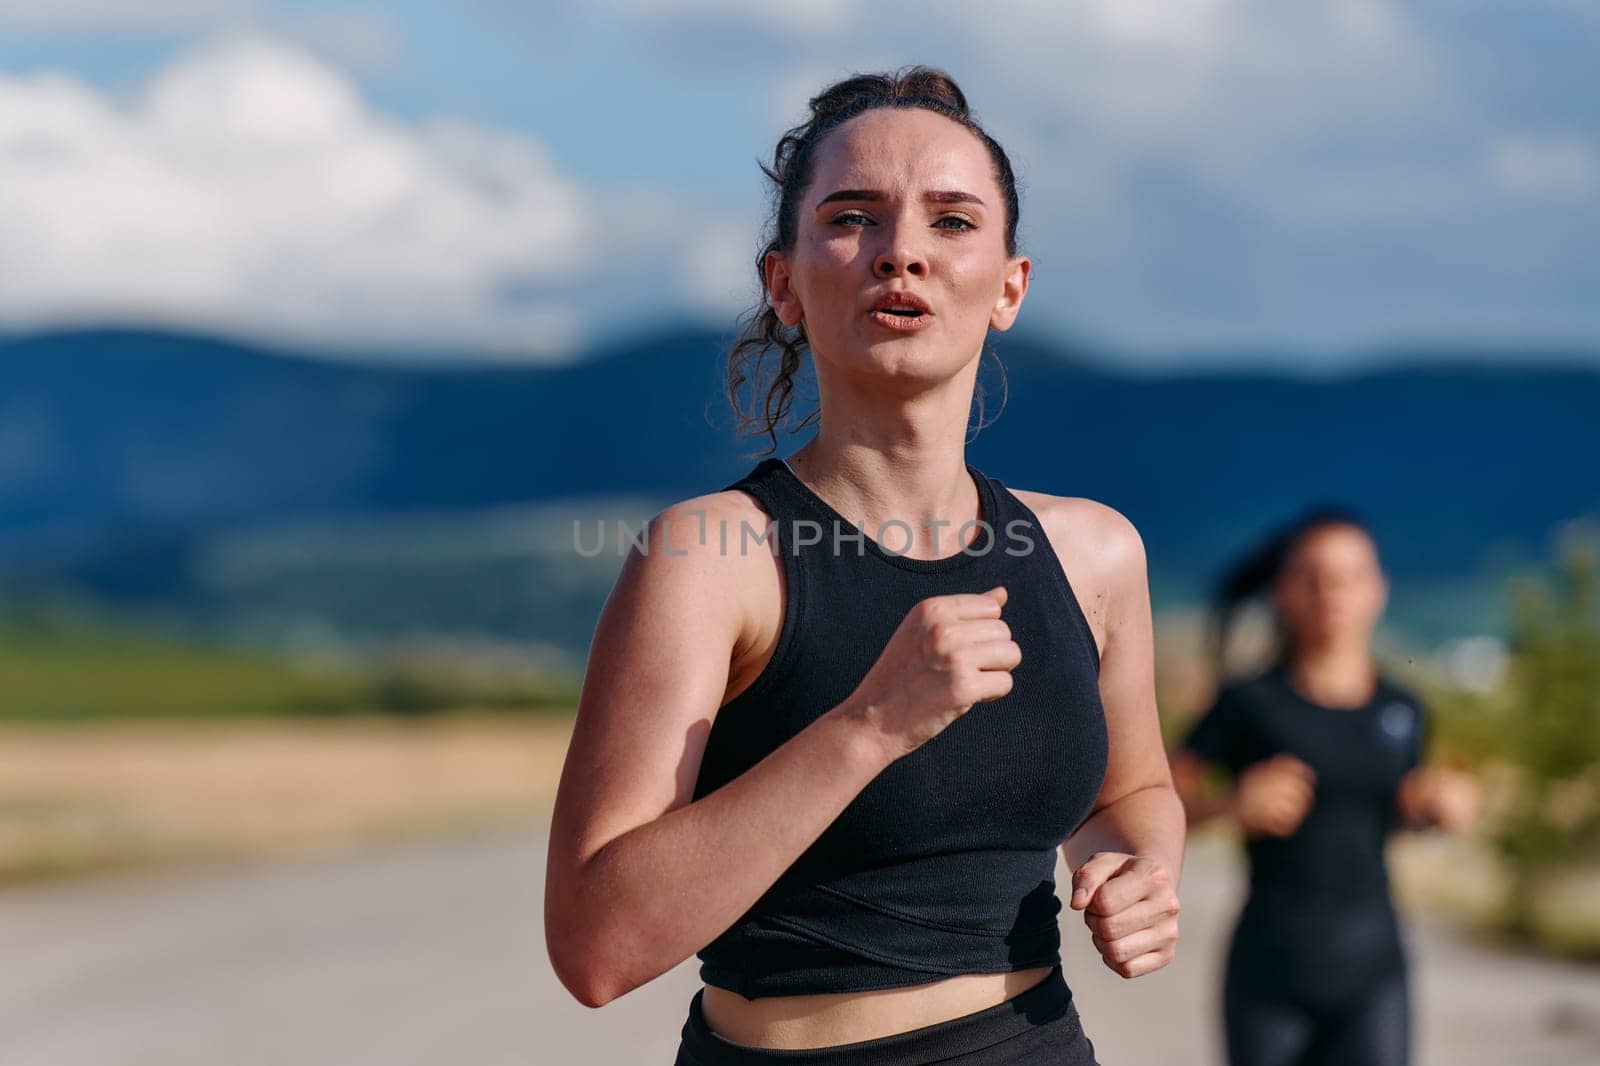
{"x":587,"y":989}
{"x":570,"y":941}
{"x":580,"y":968}
{"x":587,"y":950}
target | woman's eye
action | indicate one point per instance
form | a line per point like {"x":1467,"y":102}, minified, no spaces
{"x":849,"y":217}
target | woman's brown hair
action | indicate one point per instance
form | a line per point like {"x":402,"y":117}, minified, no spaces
{"x":1255,"y":573}
{"x":790,"y":174}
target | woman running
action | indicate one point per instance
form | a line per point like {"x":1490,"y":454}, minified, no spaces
{"x":1324,"y":753}
{"x":834,"y":758}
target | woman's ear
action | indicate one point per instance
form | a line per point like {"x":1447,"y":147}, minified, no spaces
{"x":780,"y":294}
{"x":1011,"y":294}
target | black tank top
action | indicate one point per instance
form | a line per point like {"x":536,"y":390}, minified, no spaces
{"x":945,"y":863}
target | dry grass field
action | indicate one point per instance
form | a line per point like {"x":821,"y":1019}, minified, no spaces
{"x":95,"y":796}
{"x":116,"y":794}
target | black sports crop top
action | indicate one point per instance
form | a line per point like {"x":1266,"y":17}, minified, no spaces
{"x":945,"y":863}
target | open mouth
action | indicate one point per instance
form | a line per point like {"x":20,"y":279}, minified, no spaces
{"x":901,"y":318}
{"x":901,"y":310}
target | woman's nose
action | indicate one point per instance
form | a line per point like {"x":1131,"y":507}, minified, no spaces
{"x":899,"y":258}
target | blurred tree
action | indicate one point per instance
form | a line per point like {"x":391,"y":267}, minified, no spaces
{"x":1551,"y":736}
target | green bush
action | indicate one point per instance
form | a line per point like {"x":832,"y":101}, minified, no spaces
{"x":1548,"y":732}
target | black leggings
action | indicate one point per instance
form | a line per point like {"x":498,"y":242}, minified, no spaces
{"x":1267,"y":1028}
{"x":1037,"y":1026}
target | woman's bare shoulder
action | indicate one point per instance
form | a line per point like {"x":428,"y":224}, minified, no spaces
{"x":702,"y":562}
{"x":720,"y":542}
{"x":697,"y":524}
{"x":658,"y":669}
{"x":694,"y":558}
{"x":1095,"y":533}
{"x":1099,"y":547}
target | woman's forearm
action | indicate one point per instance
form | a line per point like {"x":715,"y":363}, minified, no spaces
{"x":1218,"y":803}
{"x":1202,"y":798}
{"x":1149,"y":821}
{"x":658,"y":893}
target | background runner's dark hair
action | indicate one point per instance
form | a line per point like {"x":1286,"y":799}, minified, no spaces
{"x":1255,"y":572}
{"x":790,"y":174}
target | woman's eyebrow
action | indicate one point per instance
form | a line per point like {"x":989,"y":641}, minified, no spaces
{"x":937,"y":196}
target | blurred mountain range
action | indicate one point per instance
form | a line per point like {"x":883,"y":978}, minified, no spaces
{"x":271,"y":491}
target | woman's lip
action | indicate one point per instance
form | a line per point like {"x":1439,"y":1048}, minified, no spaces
{"x":901,"y":323}
{"x":902,"y":299}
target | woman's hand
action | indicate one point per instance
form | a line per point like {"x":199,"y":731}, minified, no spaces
{"x":1437,"y":795}
{"x":948,"y":653}
{"x":1273,"y":796}
{"x":1130,"y":905}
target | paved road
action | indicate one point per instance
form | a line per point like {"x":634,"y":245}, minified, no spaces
{"x":432,"y":953}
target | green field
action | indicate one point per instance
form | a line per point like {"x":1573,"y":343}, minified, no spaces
{"x":63,"y":665}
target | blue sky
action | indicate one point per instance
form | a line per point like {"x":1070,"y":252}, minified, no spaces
{"x":1203,"y":180}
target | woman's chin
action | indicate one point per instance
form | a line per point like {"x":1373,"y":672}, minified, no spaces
{"x":877,"y":352}
{"x":914,"y":367}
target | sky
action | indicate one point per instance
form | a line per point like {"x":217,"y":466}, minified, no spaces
{"x":1203,"y":181}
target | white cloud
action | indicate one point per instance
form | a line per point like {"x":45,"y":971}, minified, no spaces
{"x":1137,"y":71}
{"x":1222,"y":171}
{"x":1224,"y":85}
{"x":1177,"y":25}
{"x":364,"y":39}
{"x":250,"y":188}
{"x":721,"y":270}
{"x":1557,"y":166}
{"x":361,"y":40}
{"x":108,"y":16}
{"x":813,"y":17}
{"x":1233,"y":172}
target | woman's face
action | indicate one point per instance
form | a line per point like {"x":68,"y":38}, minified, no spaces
{"x":901,"y":201}
{"x":1331,"y":589}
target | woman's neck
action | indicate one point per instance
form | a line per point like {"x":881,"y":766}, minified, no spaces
{"x":1335,"y":675}
{"x":924,"y":485}
{"x":890,"y":450}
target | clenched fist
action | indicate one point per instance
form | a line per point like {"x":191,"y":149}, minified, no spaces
{"x":949,"y":653}
{"x":1273,"y":796}
{"x":1439,"y":796}
{"x":1130,"y":905}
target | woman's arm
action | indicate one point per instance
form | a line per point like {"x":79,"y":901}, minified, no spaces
{"x":1202,"y":801}
{"x":1128,"y":854}
{"x":1270,"y":797}
{"x":639,"y":877}
{"x":1437,"y":797}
